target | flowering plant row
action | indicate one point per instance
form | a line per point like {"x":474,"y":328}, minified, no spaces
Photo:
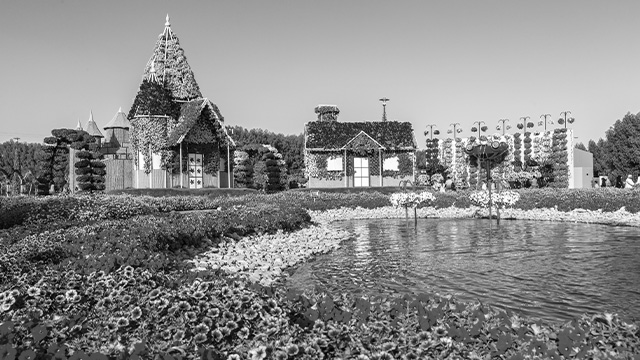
{"x":501,"y":199}
{"x":411,"y":199}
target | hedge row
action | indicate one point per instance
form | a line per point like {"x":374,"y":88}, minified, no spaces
{"x":60,"y":209}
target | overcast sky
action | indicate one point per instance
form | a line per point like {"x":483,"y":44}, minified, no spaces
{"x":267,"y":64}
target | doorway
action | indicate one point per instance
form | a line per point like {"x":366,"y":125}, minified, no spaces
{"x":360,"y":172}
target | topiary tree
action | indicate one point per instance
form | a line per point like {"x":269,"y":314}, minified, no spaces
{"x":53,"y":161}
{"x":272,"y":171}
{"x":90,"y":169}
{"x":242,"y":169}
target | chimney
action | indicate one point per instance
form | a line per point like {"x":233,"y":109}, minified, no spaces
{"x":327,"y":112}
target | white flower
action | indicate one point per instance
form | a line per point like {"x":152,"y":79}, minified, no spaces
{"x":410,"y":199}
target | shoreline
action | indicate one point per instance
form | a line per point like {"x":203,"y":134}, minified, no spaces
{"x":266,"y":258}
{"x":617,"y":218}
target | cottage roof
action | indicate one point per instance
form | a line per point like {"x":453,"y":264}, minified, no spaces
{"x":118,"y":121}
{"x":334,"y":135}
{"x":92,"y":127}
{"x":169,"y":66}
{"x":190,"y":112}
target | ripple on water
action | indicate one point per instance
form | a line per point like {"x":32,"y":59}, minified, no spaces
{"x":553,"y":271}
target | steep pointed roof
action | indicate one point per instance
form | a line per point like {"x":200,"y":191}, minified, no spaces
{"x":171,"y":66}
{"x":79,"y":126}
{"x":118,"y":121}
{"x":92,"y":127}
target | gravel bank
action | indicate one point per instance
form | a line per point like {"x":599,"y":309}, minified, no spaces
{"x":264,"y":258}
{"x":618,"y":218}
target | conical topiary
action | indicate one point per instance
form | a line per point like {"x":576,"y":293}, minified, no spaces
{"x":171,"y":68}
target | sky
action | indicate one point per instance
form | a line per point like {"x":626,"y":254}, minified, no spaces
{"x":268,"y":63}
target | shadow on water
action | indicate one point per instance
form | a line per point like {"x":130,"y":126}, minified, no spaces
{"x":553,"y":271}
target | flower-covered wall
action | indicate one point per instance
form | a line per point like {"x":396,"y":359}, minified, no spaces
{"x":534,"y":159}
{"x":326,"y":168}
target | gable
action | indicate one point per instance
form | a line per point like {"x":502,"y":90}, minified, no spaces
{"x":392,"y":135}
{"x":362,"y":141}
{"x":197,"y":118}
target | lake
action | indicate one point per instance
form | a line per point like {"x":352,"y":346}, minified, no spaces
{"x":550,"y":270}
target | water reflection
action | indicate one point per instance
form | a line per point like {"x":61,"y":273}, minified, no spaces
{"x":554,"y":271}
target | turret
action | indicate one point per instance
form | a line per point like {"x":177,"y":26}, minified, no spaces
{"x":117,"y":130}
{"x":92,"y":129}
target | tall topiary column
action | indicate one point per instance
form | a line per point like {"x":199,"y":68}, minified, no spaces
{"x":273,"y":172}
{"x":242,"y":169}
{"x":90,"y":170}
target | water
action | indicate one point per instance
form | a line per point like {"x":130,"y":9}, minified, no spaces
{"x":552,"y":271}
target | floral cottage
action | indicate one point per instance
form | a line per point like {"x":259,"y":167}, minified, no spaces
{"x":172,"y":135}
{"x":357,"y":154}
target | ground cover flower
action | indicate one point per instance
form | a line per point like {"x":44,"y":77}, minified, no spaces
{"x":411,"y":199}
{"x":247,"y":301}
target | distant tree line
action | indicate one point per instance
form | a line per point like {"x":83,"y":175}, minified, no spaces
{"x":18,"y":167}
{"x":618,"y":154}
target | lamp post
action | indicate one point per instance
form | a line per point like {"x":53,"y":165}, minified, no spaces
{"x":504,"y":127}
{"x":431,"y":131}
{"x":384,"y":108}
{"x":455,"y":131}
{"x":480,"y":128}
{"x":545,"y":121}
{"x":564,"y":121}
{"x":16,"y":163}
{"x":525,"y":123}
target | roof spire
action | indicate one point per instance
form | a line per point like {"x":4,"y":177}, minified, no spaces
{"x":168,"y":34}
{"x":92,"y":128}
{"x":79,"y":126}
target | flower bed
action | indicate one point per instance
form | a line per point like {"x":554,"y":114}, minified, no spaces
{"x":121,"y":288}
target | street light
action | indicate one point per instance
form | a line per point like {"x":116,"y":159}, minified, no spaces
{"x":564,"y":121}
{"x":479,"y":128}
{"x":504,"y":127}
{"x":384,"y":108}
{"x":525,"y":124}
{"x":455,"y":130}
{"x":545,"y":121}
{"x":431,"y":131}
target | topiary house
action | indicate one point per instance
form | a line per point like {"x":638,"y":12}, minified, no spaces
{"x":357,"y":154}
{"x":177,"y":136}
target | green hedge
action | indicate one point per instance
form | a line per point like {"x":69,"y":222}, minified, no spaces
{"x":64,"y":209}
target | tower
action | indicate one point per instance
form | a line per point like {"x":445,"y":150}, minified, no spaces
{"x":117,"y":134}
{"x":93,"y":130}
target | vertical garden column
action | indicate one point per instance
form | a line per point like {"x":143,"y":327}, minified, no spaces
{"x":346,"y":178}
{"x":380,"y":165}
{"x":180,"y":172}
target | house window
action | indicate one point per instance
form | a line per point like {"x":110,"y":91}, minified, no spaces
{"x":391,"y":164}
{"x":195,"y":171}
{"x":334,"y":163}
{"x":360,"y":172}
